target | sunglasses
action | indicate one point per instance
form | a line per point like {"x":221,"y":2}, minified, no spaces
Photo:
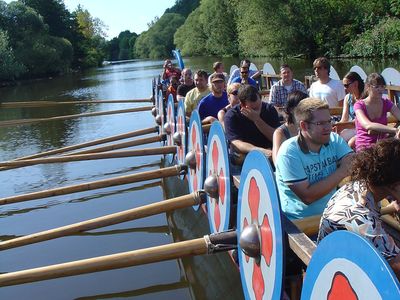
{"x":235,"y":93}
{"x":244,"y":72}
{"x":346,"y":85}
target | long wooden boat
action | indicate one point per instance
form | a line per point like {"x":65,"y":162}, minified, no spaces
{"x":230,"y":205}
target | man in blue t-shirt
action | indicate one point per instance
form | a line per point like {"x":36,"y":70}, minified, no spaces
{"x":211,"y":104}
{"x":310,"y":165}
{"x":244,"y":77}
{"x":251,"y":124}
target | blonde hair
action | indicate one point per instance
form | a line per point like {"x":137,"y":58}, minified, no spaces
{"x":304,"y":110}
{"x":232,"y":87}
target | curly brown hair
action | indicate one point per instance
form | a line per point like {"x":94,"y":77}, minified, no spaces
{"x":378,"y":165}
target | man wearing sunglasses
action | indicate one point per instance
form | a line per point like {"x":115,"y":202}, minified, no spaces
{"x":244,"y":78}
{"x":254,"y":74}
{"x":326,"y":88}
{"x":310,"y":165}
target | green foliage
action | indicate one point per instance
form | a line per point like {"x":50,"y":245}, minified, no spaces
{"x":183,"y":7}
{"x":382,"y":40}
{"x":157,"y":42}
{"x":9,"y":68}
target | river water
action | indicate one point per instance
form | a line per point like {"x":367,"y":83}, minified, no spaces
{"x":199,"y":278}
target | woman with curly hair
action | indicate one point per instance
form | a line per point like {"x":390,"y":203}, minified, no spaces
{"x":356,"y":206}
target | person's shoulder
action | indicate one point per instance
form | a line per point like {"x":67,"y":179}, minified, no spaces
{"x":191,"y":93}
{"x":289,"y":147}
{"x":236,"y":79}
{"x":233,"y":111}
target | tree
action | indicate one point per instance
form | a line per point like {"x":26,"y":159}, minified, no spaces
{"x":9,"y":67}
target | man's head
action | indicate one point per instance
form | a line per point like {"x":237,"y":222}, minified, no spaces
{"x":286,"y":74}
{"x":314,"y":120}
{"x":245,"y":63}
{"x":174,"y":82}
{"x":249,"y":97}
{"x":200,"y":79}
{"x":218,"y":67}
{"x":217,"y":83}
{"x":244,"y":72}
{"x":187,"y":75}
{"x":167,"y":64}
{"x":322,"y":67}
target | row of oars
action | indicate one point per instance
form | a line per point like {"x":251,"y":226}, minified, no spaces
{"x":208,"y":244}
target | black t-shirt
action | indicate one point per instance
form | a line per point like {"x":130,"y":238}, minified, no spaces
{"x":183,"y":89}
{"x":239,"y":127}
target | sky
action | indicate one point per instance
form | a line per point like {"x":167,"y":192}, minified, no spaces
{"x":120,"y":15}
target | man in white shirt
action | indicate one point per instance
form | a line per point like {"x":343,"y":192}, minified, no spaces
{"x":327,"y":89}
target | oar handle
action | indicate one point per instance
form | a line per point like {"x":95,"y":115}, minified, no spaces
{"x":221,"y":241}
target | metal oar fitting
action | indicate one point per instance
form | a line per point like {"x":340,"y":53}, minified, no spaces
{"x":177,"y":137}
{"x":154,"y":111}
{"x":167,"y":128}
{"x":211,"y":186}
{"x":249,"y":241}
{"x":158,"y":120}
{"x":190,"y":159}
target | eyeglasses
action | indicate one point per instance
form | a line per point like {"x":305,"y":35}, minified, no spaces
{"x":234,"y":93}
{"x":346,"y":85}
{"x":244,"y":72}
{"x":321,"y":123}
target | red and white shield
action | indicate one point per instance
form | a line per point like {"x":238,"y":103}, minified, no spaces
{"x":181,"y":128}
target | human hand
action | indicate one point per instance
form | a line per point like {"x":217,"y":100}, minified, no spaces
{"x":249,"y":113}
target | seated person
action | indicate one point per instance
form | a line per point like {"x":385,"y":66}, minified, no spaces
{"x":251,"y":124}
{"x":279,"y":91}
{"x":354,"y":88}
{"x":374,"y":176}
{"x":211,"y":104}
{"x":326,"y":88}
{"x":252,"y":73}
{"x":169,"y":70}
{"x":187,"y":85}
{"x":201,"y":90}
{"x":218,"y":67}
{"x":371,"y":114}
{"x":173,"y":85}
{"x":289,"y":128}
{"x":233,"y":99}
{"x":244,"y":78}
{"x":310,"y":165}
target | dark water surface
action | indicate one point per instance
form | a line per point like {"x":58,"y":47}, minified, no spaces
{"x":193,"y":278}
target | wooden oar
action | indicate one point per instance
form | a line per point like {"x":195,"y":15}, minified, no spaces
{"x":91,"y":114}
{"x":137,"y":142}
{"x":112,"y":219}
{"x":142,"y":176}
{"x":53,"y":103}
{"x":93,"y":143}
{"x":206,"y":245}
{"x":106,"y":155}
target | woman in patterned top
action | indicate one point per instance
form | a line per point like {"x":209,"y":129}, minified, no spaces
{"x":374,"y":176}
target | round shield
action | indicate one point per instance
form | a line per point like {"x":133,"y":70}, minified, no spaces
{"x":359,"y":71}
{"x":346,"y":266}
{"x":218,"y":165}
{"x":160,"y":111}
{"x":181,"y":128}
{"x":268,"y":69}
{"x":170,"y":120}
{"x":196,"y":145}
{"x":391,"y":76}
{"x":253,"y":67}
{"x":232,"y":69}
{"x":258,"y":206}
{"x":333,"y":74}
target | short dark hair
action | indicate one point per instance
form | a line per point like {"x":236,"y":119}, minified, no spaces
{"x":248,"y":92}
{"x":202,"y":73}
{"x":217,"y":65}
{"x":284,"y":66}
{"x":292,"y":101}
{"x":245,"y":62}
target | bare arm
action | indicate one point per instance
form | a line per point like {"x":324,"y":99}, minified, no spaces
{"x":372,"y":126}
{"x":345,"y":111}
{"x":244,"y":147}
{"x":278,"y":139}
{"x":208,"y":120}
{"x":309,"y":193}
